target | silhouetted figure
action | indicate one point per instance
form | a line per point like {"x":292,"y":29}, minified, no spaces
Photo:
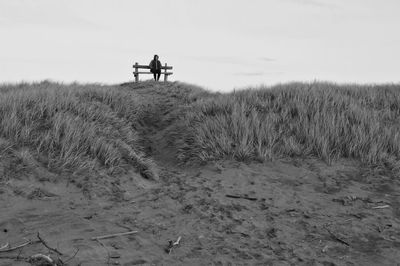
{"x":155,"y":67}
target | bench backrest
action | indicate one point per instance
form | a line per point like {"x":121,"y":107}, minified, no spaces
{"x":136,"y":73}
{"x":148,"y":67}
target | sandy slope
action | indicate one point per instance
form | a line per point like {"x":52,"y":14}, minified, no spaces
{"x":299,"y":212}
{"x":289,"y":222}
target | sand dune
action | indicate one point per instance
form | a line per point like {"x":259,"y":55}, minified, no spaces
{"x":286,"y":206}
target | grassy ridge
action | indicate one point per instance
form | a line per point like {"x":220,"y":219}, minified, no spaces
{"x":71,"y":127}
{"x":319,"y":119}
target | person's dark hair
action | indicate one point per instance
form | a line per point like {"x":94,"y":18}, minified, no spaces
{"x":155,"y":56}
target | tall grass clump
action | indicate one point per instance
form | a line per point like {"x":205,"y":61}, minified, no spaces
{"x":318,"y":119}
{"x":70,"y":127}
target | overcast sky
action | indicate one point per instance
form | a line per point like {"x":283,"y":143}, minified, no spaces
{"x":218,"y":44}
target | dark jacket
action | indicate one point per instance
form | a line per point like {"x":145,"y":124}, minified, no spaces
{"x":155,"y":65}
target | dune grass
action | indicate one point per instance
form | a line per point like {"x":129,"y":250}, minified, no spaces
{"x":73,"y":127}
{"x":322,"y":120}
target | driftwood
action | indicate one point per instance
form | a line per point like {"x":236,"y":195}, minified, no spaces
{"x":37,"y":258}
{"x":19,"y":246}
{"x":336,"y":238}
{"x":73,"y":256}
{"x":381,"y":207}
{"x":41,"y":260}
{"x":240,"y":197}
{"x":6,"y":245}
{"x":113,"y":235}
{"x":47,"y":246}
{"x":172,"y":244}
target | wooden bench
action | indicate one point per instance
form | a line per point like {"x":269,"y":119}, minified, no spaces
{"x":136,"y":73}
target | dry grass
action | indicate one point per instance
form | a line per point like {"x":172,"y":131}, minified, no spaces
{"x":74,"y":127}
{"x":318,"y":119}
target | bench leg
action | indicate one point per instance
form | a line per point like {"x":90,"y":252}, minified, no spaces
{"x":165,"y":73}
{"x":136,"y":72}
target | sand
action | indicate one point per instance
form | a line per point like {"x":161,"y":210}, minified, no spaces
{"x":283,"y":212}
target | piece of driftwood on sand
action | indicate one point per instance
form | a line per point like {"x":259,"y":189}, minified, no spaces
{"x":19,"y":246}
{"x":113,"y":235}
{"x":47,"y":246}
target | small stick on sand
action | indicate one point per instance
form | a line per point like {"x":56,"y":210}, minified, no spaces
{"x":113,"y":235}
{"x":47,"y":246}
{"x":336,"y":238}
{"x":20,"y":246}
{"x":39,"y":257}
{"x":381,"y":207}
{"x":177,"y":241}
{"x":240,"y":197}
{"x":172,"y":244}
{"x":73,"y":256}
{"x":6,"y":245}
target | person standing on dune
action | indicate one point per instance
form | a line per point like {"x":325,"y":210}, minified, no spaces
{"x":155,"y":67}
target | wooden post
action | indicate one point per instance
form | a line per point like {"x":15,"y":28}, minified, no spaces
{"x":136,"y":72}
{"x":165,"y":73}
